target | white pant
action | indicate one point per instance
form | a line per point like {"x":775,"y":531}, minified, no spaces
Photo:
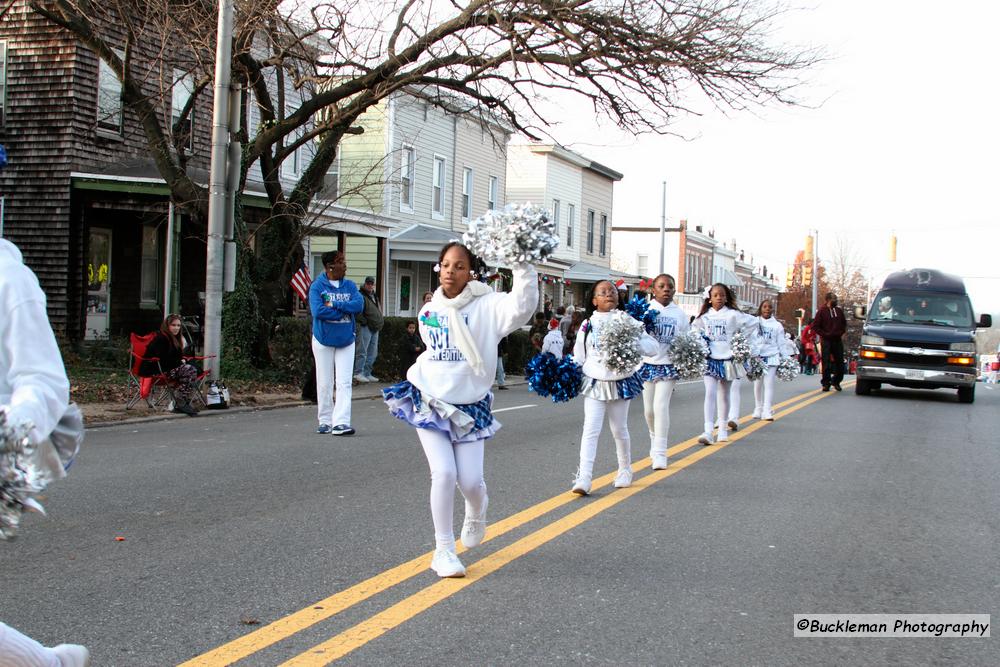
{"x":656,"y":408}
{"x":763,"y":391}
{"x":593,"y":423}
{"x":734,"y":400}
{"x":19,"y":650}
{"x":716,"y":402}
{"x":451,"y":463}
{"x":333,"y":364}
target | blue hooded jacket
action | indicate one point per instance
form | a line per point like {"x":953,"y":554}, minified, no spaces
{"x":333,"y":310}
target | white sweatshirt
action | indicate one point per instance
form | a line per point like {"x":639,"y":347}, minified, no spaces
{"x":772,"y":337}
{"x":587,"y":351}
{"x":441,"y":370}
{"x":670,"y":321}
{"x":553,"y":343}
{"x":720,"y":326}
{"x":32,"y":376}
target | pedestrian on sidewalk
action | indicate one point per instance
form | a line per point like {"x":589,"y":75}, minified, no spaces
{"x":501,"y":377}
{"x":446,"y":394}
{"x":605,"y":391}
{"x":369,"y":322}
{"x":553,"y":342}
{"x":658,"y":373}
{"x":719,"y":320}
{"x":334,"y":302}
{"x":830,"y":325}
{"x":33,"y":387}
{"x":413,"y":346}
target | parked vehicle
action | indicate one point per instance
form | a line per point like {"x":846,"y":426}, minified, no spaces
{"x":920,"y":332}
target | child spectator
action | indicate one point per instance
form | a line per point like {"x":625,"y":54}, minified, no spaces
{"x":412,"y":346}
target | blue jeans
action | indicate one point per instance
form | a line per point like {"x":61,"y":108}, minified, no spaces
{"x":501,"y":379}
{"x":367,"y":346}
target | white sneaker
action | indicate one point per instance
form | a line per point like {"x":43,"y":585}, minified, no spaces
{"x":706,"y":439}
{"x":756,"y":414}
{"x":581,"y":485}
{"x":361,"y":378}
{"x":659,"y":461}
{"x":623,"y":478}
{"x":723,"y":436}
{"x":371,"y":378}
{"x":767,"y":416}
{"x":446,"y":564}
{"x":474,"y":526}
{"x":72,"y":655}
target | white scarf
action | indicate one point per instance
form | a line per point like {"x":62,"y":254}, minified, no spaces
{"x":463,"y":339}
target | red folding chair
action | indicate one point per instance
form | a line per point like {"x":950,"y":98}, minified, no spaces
{"x":150,"y":388}
{"x":199,"y":381}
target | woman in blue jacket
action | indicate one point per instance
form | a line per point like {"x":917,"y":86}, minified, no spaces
{"x":334,"y":301}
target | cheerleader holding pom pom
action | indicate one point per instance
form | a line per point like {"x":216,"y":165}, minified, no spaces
{"x":720,"y":320}
{"x":609,"y":347}
{"x":658,"y":373}
{"x":772,"y":340}
{"x":446,"y":394}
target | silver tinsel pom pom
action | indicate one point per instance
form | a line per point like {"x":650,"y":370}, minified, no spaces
{"x":20,"y":478}
{"x":787,"y":370}
{"x":689,"y":352}
{"x":618,"y":340}
{"x":519,"y":233}
{"x":740,"y":347}
{"x":755,"y":368}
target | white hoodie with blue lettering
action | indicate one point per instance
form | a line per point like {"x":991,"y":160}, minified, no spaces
{"x":441,"y":370}
{"x":772,"y":338}
{"x":719,"y":326}
{"x":670,"y":321}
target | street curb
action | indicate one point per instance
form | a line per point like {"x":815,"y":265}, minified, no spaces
{"x":166,"y":416}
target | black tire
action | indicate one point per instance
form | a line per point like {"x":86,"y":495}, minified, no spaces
{"x":966,"y":394}
{"x":863,"y":387}
{"x":876,"y":385}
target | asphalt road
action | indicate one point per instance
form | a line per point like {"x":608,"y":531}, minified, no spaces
{"x":251,"y":533}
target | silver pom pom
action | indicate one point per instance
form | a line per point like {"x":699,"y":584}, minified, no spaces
{"x":517,"y":234}
{"x":618,"y":340}
{"x":755,"y":368}
{"x":740,"y":347}
{"x":689,"y":354}
{"x":787,"y":370}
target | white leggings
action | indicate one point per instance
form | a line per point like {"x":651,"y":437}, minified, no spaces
{"x":763,"y":391}
{"x":18,"y":650}
{"x":451,"y":463}
{"x":734,"y":400}
{"x":593,"y":423}
{"x":656,"y":408}
{"x":716,"y":402}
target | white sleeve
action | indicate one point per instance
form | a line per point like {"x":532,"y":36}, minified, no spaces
{"x":648,"y":346}
{"x":515,"y":308}
{"x":580,"y":347}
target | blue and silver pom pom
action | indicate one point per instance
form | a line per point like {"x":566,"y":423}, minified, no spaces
{"x":558,"y":378}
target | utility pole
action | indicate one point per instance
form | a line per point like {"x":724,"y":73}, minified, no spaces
{"x":217,"y":224}
{"x":663,"y":225}
{"x":815,"y":275}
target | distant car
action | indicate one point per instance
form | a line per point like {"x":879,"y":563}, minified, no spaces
{"x":920,"y":332}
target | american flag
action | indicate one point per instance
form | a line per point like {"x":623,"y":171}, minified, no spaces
{"x":300,"y":282}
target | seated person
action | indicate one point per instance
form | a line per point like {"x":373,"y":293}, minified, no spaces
{"x":168,"y":347}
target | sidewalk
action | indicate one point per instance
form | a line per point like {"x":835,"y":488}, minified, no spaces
{"x":97,"y":415}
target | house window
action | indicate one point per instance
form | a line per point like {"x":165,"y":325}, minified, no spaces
{"x":3,"y":83}
{"x":437,"y":196}
{"x":555,"y":215}
{"x":570,"y":224}
{"x":406,"y":179}
{"x":604,"y":235}
{"x":109,"y":97}
{"x":491,"y":204}
{"x":590,"y":232}
{"x":331,"y":182}
{"x":181,"y":95}
{"x":405,"y":296}
{"x":642,"y":265}
{"x":292,"y":164}
{"x":466,"y":193}
{"x":149,"y":272}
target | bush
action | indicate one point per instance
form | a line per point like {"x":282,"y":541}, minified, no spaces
{"x":291,"y":348}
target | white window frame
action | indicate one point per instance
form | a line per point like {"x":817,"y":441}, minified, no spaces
{"x":106,"y":79}
{"x":494,"y":189}
{"x":333,"y":169}
{"x":181,"y":92}
{"x":591,"y":219}
{"x":570,"y":223}
{"x":407,"y":163}
{"x":642,"y":265}
{"x":150,"y":255}
{"x":604,"y":234}
{"x":291,"y":166}
{"x":467,"y":181}
{"x":439,"y":183}
{"x":555,"y":215}
{"x":400,"y":274}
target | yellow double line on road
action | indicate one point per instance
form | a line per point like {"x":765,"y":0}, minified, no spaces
{"x":364,"y":632}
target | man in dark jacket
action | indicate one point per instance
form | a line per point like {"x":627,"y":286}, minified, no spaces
{"x":830,"y":325}
{"x":370,"y":321}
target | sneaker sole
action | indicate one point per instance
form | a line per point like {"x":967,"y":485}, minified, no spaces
{"x":705,"y":441}
{"x":455,"y":575}
{"x":580,"y":492}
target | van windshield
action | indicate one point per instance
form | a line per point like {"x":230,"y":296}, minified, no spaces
{"x":912,"y":307}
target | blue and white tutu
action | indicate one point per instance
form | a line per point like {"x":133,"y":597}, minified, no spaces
{"x":461,"y":423}
{"x":612,"y":390}
{"x":725,"y":369}
{"x":658,"y":372}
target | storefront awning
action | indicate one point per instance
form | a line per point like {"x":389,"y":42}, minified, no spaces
{"x":585,"y":272}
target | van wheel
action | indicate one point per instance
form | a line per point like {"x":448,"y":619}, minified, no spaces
{"x":863,"y":387}
{"x":966,"y":394}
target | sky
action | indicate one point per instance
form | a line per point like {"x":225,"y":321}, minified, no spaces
{"x":899,"y":134}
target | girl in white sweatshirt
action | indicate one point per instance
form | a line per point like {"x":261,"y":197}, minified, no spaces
{"x":772,"y":337}
{"x":605,"y":391}
{"x":657,"y":371}
{"x":719,"y":321}
{"x":446,"y":394}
